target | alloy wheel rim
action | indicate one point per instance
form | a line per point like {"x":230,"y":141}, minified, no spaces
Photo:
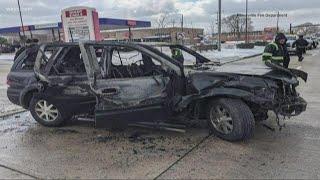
{"x":221,"y":120}
{"x":46,"y":111}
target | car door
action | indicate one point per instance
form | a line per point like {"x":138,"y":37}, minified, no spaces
{"x":127,"y":92}
{"x":65,"y":78}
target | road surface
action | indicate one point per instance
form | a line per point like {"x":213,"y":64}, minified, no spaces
{"x":28,"y":150}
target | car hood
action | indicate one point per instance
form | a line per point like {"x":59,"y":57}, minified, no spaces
{"x":260,"y":69}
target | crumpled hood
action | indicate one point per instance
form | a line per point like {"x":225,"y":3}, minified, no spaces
{"x":259,"y":69}
{"x":251,"y":69}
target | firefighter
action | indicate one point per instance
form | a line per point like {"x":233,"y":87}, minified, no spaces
{"x":301,"y":45}
{"x":177,"y":54}
{"x":276,"y":52}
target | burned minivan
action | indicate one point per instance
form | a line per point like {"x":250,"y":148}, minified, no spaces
{"x":124,"y":83}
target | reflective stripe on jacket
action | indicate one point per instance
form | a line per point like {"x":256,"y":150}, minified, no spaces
{"x":273,"y":53}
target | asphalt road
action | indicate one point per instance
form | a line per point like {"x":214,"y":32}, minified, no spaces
{"x":28,"y":150}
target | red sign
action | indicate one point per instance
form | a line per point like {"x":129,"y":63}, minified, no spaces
{"x":131,"y":23}
{"x":96,"y":26}
{"x":76,"y":13}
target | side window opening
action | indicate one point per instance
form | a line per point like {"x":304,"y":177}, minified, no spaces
{"x":46,"y":55}
{"x":131,"y":63}
{"x":26,"y":59}
{"x":178,"y":54}
{"x":69,"y":62}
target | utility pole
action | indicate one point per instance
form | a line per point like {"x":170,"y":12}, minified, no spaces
{"x":278,"y":21}
{"x":130,"y":37}
{"x":247,"y":40}
{"x":24,"y":35}
{"x":173,"y":22}
{"x":182,"y":22}
{"x":219,"y":27}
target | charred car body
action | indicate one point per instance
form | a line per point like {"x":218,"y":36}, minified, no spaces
{"x":121,"y":83}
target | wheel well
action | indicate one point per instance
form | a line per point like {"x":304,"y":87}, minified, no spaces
{"x":27,"y":98}
{"x":202,"y":103}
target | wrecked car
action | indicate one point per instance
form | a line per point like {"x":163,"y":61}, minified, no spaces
{"x":123,"y":83}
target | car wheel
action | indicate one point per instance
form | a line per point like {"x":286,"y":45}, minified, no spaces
{"x":230,"y":119}
{"x":46,"y":113}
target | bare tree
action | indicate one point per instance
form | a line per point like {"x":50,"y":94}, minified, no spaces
{"x":162,"y":23}
{"x":162,"y":20}
{"x":236,"y":24}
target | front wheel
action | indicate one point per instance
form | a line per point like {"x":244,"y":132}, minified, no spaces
{"x":46,"y":113}
{"x":230,"y":119}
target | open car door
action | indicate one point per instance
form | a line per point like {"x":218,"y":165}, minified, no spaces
{"x":126,"y":92}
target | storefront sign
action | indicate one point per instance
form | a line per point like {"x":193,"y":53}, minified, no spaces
{"x":80,"y":23}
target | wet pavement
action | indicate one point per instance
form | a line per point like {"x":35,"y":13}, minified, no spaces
{"x":28,"y":150}
{"x":79,"y":150}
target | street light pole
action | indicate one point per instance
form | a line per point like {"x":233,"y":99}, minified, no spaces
{"x":182,"y":22}
{"x":247,"y":40}
{"x":219,"y":27}
{"x":24,"y":35}
{"x":278,"y":21}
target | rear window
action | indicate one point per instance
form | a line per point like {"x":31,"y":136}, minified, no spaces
{"x":25,"y":61}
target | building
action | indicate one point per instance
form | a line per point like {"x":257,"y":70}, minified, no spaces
{"x":54,"y":32}
{"x":148,"y":34}
{"x":266,"y":35}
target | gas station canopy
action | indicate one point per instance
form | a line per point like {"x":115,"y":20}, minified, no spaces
{"x":105,"y":24}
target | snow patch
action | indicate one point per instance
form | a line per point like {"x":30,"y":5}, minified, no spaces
{"x":8,"y":57}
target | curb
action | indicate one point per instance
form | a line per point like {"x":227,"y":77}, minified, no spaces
{"x":10,"y":113}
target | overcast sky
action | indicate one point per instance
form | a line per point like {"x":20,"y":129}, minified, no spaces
{"x":197,"y":13}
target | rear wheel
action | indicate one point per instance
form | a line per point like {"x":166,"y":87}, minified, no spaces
{"x":230,"y":119}
{"x":46,"y":113}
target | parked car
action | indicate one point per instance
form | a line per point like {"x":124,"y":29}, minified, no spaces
{"x":310,"y":43}
{"x":122,"y":83}
{"x":290,"y":40}
{"x":6,"y":49}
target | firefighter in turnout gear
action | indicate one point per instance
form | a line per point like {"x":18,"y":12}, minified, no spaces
{"x":301,"y":45}
{"x":276,"y":52}
{"x":177,"y":54}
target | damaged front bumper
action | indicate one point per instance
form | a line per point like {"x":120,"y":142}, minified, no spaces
{"x":288,"y":107}
{"x":293,"y":108}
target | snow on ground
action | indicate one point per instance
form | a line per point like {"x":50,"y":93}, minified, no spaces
{"x":8,"y":57}
{"x":5,"y":104}
{"x":230,"y":53}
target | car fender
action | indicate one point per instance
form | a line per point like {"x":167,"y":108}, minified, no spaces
{"x":213,"y":93}
{"x":25,"y":91}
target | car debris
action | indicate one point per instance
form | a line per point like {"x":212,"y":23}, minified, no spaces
{"x":121,"y":84}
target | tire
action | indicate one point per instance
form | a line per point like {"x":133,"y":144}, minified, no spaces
{"x":230,"y":119}
{"x":46,"y":113}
